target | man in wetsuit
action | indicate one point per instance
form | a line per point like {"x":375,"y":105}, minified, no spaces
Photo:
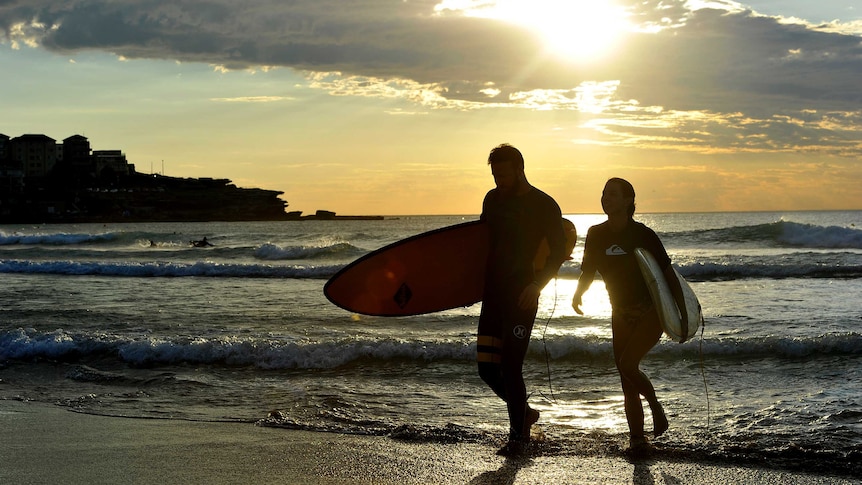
{"x":519,"y":217}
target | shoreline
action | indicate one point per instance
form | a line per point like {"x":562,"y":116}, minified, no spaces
{"x":44,"y":443}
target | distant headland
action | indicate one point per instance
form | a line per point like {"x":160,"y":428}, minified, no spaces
{"x":42,"y":181}
{"x":323,"y":215}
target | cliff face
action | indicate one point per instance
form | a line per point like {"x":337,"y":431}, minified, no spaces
{"x":140,"y":197}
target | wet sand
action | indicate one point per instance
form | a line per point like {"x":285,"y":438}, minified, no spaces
{"x":46,"y":444}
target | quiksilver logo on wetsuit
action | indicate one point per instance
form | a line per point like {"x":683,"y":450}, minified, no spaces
{"x":615,"y":250}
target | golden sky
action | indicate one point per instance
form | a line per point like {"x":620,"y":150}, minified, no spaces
{"x":391,"y":106}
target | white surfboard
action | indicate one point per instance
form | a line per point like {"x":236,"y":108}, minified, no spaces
{"x":668,"y":312}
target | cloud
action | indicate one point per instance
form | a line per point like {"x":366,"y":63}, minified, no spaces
{"x":830,"y":133}
{"x":679,"y":58}
{"x":253,"y":99}
{"x":688,"y":74}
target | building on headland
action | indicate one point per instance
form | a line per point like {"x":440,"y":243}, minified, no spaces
{"x":11,"y":174}
{"x":4,"y":146}
{"x":41,"y":156}
{"x":45,"y":181}
{"x":35,"y":154}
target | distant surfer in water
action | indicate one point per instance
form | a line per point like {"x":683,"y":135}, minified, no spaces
{"x":609,"y":249}
{"x":520,"y":217}
{"x":201,"y":243}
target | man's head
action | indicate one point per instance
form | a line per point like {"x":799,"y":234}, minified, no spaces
{"x":507,"y":167}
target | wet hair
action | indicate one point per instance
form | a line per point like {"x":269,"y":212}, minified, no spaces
{"x":628,"y":190}
{"x":506,"y":153}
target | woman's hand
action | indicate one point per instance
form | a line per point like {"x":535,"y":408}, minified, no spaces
{"x":576,"y":304}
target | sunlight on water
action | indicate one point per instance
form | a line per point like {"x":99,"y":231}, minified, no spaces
{"x":583,"y":222}
{"x":595,"y":302}
{"x":606,"y":414}
{"x":584,"y":332}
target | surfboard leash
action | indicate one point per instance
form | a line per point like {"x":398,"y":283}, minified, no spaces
{"x":703,"y":371}
{"x":545,"y":343}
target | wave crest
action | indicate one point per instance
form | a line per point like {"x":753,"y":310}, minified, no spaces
{"x":274,"y":252}
{"x":780,"y":234}
{"x":166,"y":269}
{"x":280,"y":354}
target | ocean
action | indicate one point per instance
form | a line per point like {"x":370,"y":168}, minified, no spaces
{"x":129,"y":320}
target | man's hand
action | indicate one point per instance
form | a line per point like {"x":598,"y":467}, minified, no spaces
{"x":530,"y":297}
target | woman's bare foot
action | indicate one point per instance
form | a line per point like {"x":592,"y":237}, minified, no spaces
{"x":660,"y":423}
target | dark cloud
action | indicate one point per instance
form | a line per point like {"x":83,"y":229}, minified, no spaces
{"x":704,"y":60}
{"x":375,"y":37}
{"x":721,"y":60}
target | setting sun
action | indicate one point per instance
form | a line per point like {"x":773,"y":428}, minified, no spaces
{"x":580,"y":31}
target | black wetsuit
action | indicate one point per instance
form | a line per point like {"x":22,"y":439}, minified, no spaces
{"x":518,"y":225}
{"x":612,"y":255}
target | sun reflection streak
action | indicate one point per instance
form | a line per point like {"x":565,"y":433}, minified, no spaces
{"x":605,"y":414}
{"x":556,"y":300}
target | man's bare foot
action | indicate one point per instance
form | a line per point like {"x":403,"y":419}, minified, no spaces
{"x":513,"y":448}
{"x":530,"y":418}
{"x":639,"y":447}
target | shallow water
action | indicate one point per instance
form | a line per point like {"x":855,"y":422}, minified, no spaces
{"x":97,"y":318}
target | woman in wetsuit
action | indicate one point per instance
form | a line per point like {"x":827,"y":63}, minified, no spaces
{"x":609,"y":249}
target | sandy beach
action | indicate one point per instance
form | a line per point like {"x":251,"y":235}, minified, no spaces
{"x":48,"y":444}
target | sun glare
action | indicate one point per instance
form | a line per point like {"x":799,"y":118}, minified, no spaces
{"x":580,"y":31}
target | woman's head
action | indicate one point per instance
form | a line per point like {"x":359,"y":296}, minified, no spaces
{"x":618,"y":194}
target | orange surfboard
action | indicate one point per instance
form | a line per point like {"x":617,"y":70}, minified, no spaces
{"x":430,"y":272}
